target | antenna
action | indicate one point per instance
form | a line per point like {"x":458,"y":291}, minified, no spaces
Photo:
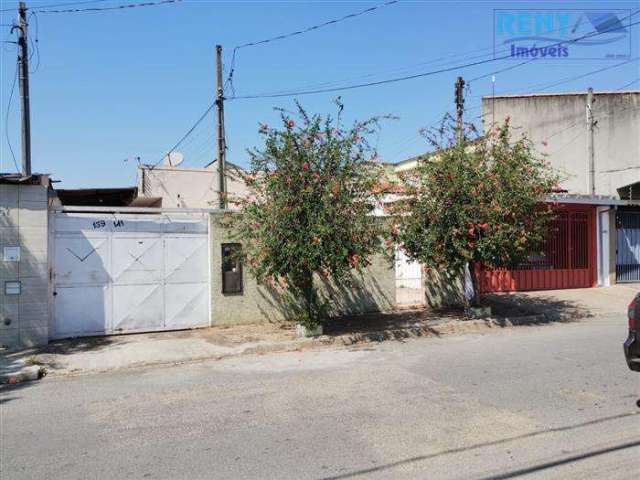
{"x":173,"y":159}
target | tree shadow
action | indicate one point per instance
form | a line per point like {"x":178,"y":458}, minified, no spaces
{"x":395,"y":325}
{"x":502,"y":441}
{"x":519,"y":304}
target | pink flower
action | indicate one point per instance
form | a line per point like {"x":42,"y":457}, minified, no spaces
{"x":306,"y":166}
{"x":316,"y":176}
{"x":291,"y":124}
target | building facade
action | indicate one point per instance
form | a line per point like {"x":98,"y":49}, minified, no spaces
{"x":592,"y":139}
{"x":24,"y":273}
{"x":558,"y":124}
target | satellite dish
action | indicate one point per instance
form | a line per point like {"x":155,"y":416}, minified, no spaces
{"x":173,"y":159}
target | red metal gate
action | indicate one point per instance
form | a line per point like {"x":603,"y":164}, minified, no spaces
{"x":569,"y":259}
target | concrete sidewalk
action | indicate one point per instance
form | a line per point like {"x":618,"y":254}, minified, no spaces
{"x":98,"y":354}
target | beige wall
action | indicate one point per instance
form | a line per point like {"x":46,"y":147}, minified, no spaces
{"x":375,"y":291}
{"x":24,"y":318}
{"x":561,"y":121}
{"x":443,"y":289}
{"x":186,"y":187}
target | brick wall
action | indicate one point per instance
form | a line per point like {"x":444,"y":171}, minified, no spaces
{"x":24,"y":318}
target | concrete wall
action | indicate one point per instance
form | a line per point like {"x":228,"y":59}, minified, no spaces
{"x":375,"y":291}
{"x":24,"y":318}
{"x":443,"y":289}
{"x":560,"y":120}
{"x":186,"y":187}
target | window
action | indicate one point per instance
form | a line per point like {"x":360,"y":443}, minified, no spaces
{"x":231,"y":268}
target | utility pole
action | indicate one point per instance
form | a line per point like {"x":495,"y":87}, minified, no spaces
{"x":221,"y":140}
{"x":590,"y":151}
{"x":23,"y":76}
{"x":459,"y":110}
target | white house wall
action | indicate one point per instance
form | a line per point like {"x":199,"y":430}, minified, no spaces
{"x":560,"y":121}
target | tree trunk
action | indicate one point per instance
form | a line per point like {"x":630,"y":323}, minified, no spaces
{"x":475,"y":299}
{"x":304,"y":284}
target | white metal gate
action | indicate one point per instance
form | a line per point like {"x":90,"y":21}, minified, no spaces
{"x":117,"y":273}
{"x":409,"y":290}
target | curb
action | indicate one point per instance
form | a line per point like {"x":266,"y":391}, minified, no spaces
{"x":25,"y":374}
{"x":439,"y":328}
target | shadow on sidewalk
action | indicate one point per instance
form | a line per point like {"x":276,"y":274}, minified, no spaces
{"x":519,"y":304}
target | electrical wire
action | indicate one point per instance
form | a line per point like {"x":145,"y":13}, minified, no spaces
{"x":116,"y":7}
{"x":418,"y":75}
{"x":6,"y":119}
{"x":301,"y":32}
{"x":393,"y":80}
{"x":628,"y":84}
{"x":202,"y":117}
{"x":68,"y":4}
{"x":35,"y":48}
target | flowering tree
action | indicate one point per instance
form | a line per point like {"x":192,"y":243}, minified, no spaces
{"x":476,"y":202}
{"x":313,"y":189}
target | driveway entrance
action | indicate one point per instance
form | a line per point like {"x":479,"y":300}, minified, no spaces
{"x":118,"y":273}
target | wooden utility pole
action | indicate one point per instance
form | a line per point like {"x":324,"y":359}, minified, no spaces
{"x":460,"y":110}
{"x":221,"y":140}
{"x":23,"y":77}
{"x":590,"y":151}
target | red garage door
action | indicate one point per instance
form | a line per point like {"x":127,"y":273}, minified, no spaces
{"x":569,"y":259}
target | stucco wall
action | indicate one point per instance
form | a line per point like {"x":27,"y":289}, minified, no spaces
{"x":186,"y":187}
{"x":24,"y":318}
{"x":560,"y":120}
{"x":375,"y":291}
{"x":443,"y":289}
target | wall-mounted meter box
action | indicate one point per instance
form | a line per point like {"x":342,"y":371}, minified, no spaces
{"x":12,"y":288}
{"x":11,"y":254}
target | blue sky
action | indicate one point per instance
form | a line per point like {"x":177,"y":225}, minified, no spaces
{"x":123,"y":84}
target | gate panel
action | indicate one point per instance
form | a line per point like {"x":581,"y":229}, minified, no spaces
{"x":628,"y":247}
{"x":408,"y":280}
{"x":129,"y":273}
{"x":568,"y":258}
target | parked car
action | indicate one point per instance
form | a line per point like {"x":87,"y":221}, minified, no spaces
{"x":632,"y":344}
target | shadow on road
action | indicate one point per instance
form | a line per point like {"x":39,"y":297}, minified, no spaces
{"x":503,"y":441}
{"x":564,"y":461}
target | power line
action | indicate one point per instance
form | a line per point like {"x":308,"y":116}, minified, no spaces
{"x":301,"y":32}
{"x":546,"y":86}
{"x":115,"y":7}
{"x":392,"y":80}
{"x":418,"y":75}
{"x":35,"y":47}
{"x":202,"y":117}
{"x":628,"y":84}
{"x":68,"y":4}
{"x":6,"y":119}
{"x":578,"y":77}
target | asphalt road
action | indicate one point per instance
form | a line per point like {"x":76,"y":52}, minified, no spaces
{"x":537,"y":402}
